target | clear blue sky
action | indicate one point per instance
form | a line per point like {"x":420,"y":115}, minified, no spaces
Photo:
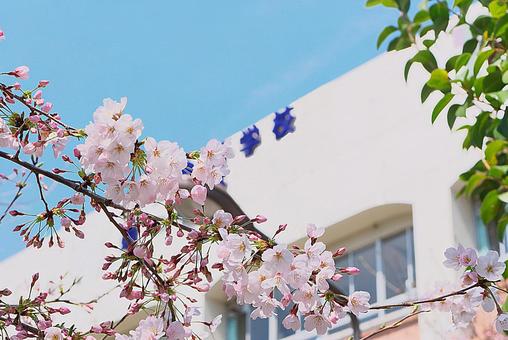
{"x":192,"y":70}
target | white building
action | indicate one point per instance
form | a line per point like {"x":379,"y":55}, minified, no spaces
{"x":364,"y":162}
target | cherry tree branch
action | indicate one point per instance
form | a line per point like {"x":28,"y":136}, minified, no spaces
{"x":416,"y":303}
{"x":394,"y":325}
{"x":77,"y":186}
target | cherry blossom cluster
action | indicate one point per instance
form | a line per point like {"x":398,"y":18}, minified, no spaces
{"x":478,"y":287}
{"x":154,"y":328}
{"x":32,"y":315}
{"x":256,"y":275}
{"x":140,"y":176}
{"x":39,"y":129}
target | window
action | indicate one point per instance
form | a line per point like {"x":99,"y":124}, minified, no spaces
{"x":387,"y":272}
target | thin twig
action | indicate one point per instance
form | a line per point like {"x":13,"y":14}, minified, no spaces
{"x":34,"y":161}
{"x":394,"y":325}
{"x":416,"y":303}
{"x":20,"y":185}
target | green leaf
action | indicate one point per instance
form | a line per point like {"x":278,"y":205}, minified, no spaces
{"x":497,"y":8}
{"x":384,"y":34}
{"x":451,"y":117}
{"x":441,"y":105}
{"x":490,"y":206}
{"x":450,"y":64}
{"x":503,"y":125}
{"x":462,"y":60}
{"x":403,"y":5}
{"x":480,"y":60}
{"x":426,"y":91}
{"x":501,"y":26}
{"x":386,"y":3}
{"x":424,"y":57}
{"x":492,"y":149}
{"x":504,"y":307}
{"x":439,"y":80}
{"x":440,"y":16}
{"x":493,"y":81}
{"x":474,"y":182}
{"x":470,"y":46}
{"x":372,"y":3}
{"x":421,"y":16}
{"x":501,"y":228}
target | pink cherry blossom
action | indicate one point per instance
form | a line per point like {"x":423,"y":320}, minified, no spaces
{"x":292,"y":321}
{"x":501,"y":323}
{"x":175,"y":331}
{"x":313,"y":231}
{"x":453,"y":257}
{"x":53,"y":333}
{"x":490,"y":267}
{"x":359,"y":302}
{"x":318,"y":322}
{"x":222,"y":219}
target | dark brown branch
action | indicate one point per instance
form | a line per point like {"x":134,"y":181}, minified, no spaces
{"x":76,"y":186}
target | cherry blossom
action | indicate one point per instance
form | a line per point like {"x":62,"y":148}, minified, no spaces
{"x":489,"y":266}
{"x":359,"y":302}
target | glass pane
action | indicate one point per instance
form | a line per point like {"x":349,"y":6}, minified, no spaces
{"x":235,"y":327}
{"x":282,"y":332}
{"x":394,"y":254}
{"x":412,"y":253}
{"x":365,"y":260}
{"x":343,"y":283}
{"x":259,"y":329}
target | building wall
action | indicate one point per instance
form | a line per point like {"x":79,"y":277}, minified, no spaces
{"x":363,"y":149}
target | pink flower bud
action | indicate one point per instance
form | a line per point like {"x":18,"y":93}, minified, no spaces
{"x":239,"y":219}
{"x":77,"y":199}
{"x":198,"y":194}
{"x":34,"y":118}
{"x":2,"y":35}
{"x":20,"y":72}
{"x":43,"y":83}
{"x":64,"y":310}
{"x":259,"y":219}
{"x":339,"y":252}
{"x":140,"y":252}
{"x":350,"y":270}
{"x":47,"y":107}
{"x":77,"y":154}
{"x":337,"y":277}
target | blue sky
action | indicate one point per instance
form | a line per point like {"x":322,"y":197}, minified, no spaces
{"x":192,"y":70}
